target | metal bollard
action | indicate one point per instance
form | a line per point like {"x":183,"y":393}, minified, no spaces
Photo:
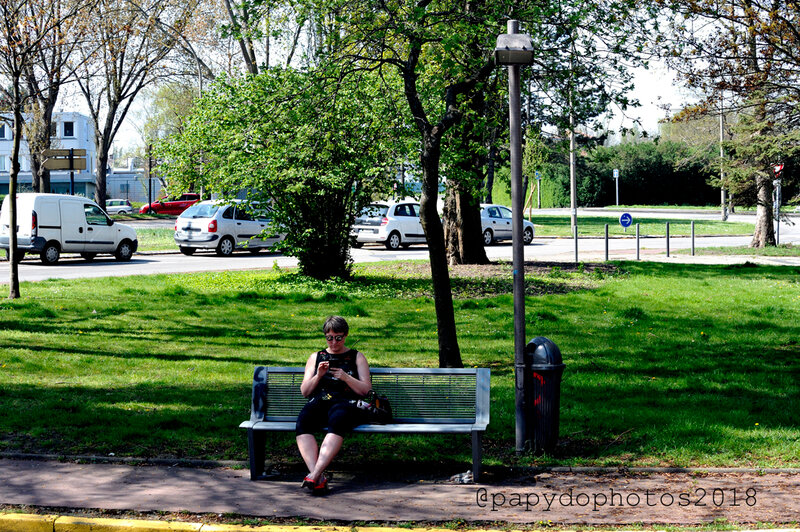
{"x":692,"y":238}
{"x":637,"y":242}
{"x":606,"y":242}
{"x":575,"y":231}
{"x":667,"y":239}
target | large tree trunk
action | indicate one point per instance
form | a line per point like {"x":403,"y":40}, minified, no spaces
{"x":13,"y":266}
{"x":462,"y":216}
{"x":39,"y":142}
{"x":490,"y":167}
{"x":430,"y":155}
{"x":764,"y":234}
{"x":100,"y":175}
{"x":449,"y":353}
{"x":463,"y":229}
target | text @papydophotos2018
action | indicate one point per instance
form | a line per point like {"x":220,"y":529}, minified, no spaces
{"x":611,"y":498}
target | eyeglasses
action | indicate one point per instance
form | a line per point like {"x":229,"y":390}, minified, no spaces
{"x":331,"y":338}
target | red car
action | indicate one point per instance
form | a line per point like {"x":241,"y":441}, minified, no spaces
{"x":171,"y":206}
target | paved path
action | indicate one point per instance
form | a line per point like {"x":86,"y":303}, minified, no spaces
{"x":558,"y":497}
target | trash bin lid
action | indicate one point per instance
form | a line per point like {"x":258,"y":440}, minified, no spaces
{"x":543,"y":352}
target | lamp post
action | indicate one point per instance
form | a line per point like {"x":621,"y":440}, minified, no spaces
{"x":513,"y":50}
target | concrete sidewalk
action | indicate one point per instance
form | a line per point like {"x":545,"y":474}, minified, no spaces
{"x":559,"y":497}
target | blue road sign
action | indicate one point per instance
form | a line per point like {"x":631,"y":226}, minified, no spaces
{"x":625,"y":220}
{"x":616,"y":173}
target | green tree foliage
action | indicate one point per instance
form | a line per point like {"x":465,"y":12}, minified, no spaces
{"x":584,"y":55}
{"x":747,"y":49}
{"x":316,"y":147}
{"x":169,"y":105}
{"x":654,"y":173}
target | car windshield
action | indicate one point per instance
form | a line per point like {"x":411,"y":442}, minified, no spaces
{"x":374,"y":211}
{"x":200,"y":210}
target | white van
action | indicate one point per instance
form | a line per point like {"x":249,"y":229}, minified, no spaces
{"x":51,"y":224}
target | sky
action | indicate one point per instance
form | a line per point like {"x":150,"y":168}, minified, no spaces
{"x":659,"y":95}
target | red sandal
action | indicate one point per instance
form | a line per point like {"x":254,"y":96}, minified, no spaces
{"x":315,"y":487}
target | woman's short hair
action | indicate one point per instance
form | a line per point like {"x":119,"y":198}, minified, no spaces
{"x":337,"y":324}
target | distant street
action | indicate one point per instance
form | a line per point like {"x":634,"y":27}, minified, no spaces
{"x":542,"y":249}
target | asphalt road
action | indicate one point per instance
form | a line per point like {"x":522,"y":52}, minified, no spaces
{"x":542,"y":249}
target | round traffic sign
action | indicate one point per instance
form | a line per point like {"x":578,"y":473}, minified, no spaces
{"x":625,"y":220}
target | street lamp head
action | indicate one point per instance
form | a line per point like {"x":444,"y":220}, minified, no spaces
{"x":513,"y":49}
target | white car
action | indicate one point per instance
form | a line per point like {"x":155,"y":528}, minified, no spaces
{"x":395,"y":225}
{"x":118,"y":206}
{"x":224,"y":227}
{"x":496,"y":225}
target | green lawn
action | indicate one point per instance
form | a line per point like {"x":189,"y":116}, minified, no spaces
{"x":685,"y":365}
{"x":784,"y":250}
{"x":158,"y":239}
{"x":547,"y":225}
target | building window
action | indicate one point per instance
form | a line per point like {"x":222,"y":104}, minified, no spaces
{"x":3,"y":167}
{"x":69,"y":129}
{"x":124,"y":188}
{"x":2,"y":132}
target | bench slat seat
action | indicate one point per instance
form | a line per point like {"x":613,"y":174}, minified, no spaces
{"x":398,"y":428}
{"x":424,"y":401}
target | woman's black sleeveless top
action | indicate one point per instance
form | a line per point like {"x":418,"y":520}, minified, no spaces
{"x":331,"y":388}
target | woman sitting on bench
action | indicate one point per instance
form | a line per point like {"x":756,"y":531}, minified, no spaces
{"x":333,"y":377}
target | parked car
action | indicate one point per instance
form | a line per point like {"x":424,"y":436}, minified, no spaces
{"x":496,"y":225}
{"x":51,"y":224}
{"x":395,"y":225}
{"x":171,"y":206}
{"x":118,"y":206}
{"x":224,"y":227}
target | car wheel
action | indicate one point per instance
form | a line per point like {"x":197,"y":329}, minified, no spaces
{"x":225,"y":247}
{"x":488,"y":238}
{"x":88,"y":256}
{"x":393,"y":242}
{"x":187,"y":251}
{"x":124,"y":251}
{"x":124,"y":212}
{"x":50,"y":253}
{"x":527,"y":235}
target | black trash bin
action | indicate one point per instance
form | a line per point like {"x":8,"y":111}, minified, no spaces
{"x":543,"y":361}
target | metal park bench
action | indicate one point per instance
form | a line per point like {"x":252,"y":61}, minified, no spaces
{"x":424,"y":401}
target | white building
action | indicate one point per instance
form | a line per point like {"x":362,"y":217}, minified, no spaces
{"x":70,"y":130}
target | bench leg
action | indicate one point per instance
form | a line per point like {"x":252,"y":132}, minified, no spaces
{"x":256,"y":446}
{"x":477,"y":454}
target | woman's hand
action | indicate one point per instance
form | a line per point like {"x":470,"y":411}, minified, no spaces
{"x":323,"y":368}
{"x":337,"y":373}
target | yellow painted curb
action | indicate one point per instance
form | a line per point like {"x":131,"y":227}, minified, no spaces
{"x":26,"y":522}
{"x":273,"y":528}
{"x":313,"y":528}
{"x":101,"y":524}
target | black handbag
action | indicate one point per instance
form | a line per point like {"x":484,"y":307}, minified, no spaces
{"x":377,"y":407}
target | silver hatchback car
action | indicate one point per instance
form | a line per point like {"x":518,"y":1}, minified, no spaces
{"x":496,"y":225}
{"x":394,"y":225}
{"x":223,"y":227}
{"x":118,"y":206}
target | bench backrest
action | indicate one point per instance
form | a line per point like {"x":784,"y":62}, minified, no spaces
{"x":417,"y":395}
